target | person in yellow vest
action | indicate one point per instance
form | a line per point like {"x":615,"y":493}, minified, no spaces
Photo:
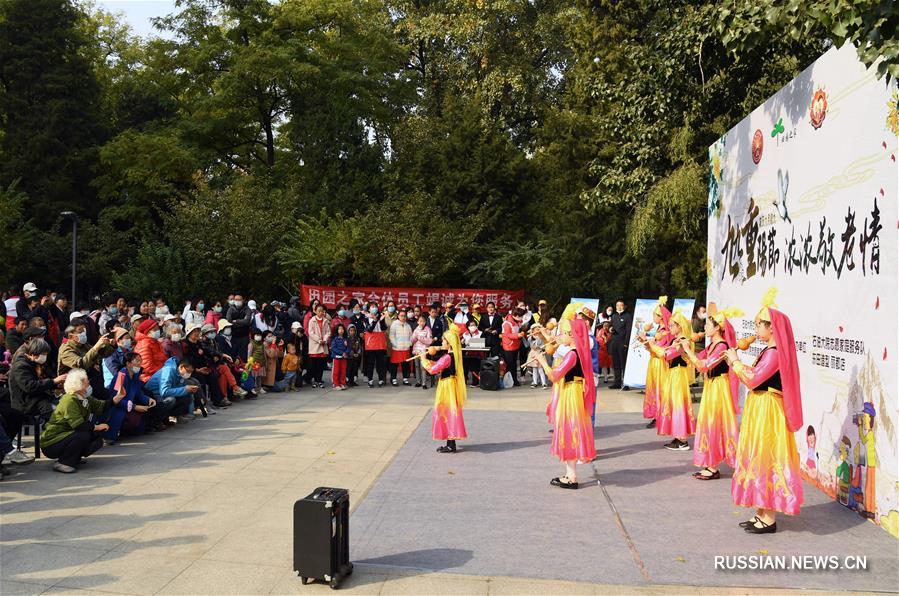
{"x":866,"y":434}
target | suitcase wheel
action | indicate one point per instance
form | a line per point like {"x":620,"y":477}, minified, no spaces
{"x":305,"y":580}
{"x":334,"y":583}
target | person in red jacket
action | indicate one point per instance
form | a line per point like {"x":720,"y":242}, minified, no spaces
{"x":150,"y":349}
{"x":511,"y":341}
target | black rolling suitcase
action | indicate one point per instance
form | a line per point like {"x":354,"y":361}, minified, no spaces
{"x":490,"y":374}
{"x":321,"y":542}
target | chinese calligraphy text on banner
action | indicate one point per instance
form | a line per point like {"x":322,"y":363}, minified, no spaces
{"x":802,"y":197}
{"x":331,"y":296}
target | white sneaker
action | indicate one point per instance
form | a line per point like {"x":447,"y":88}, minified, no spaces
{"x":240,"y":391}
{"x":18,"y":458}
{"x":60,"y":467}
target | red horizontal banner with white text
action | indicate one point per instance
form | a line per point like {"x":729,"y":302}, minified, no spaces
{"x":331,"y":296}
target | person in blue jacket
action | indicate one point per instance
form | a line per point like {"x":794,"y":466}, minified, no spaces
{"x":169,"y":387}
{"x":115,"y":362}
{"x":130,"y":414}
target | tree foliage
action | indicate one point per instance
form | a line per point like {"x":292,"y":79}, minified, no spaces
{"x":555,"y":145}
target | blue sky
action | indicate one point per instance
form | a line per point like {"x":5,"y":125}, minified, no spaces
{"x":139,"y":12}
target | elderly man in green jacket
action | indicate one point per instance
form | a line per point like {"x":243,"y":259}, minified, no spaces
{"x":77,"y":353}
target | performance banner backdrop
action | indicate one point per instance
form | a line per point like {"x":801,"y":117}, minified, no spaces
{"x":802,"y":198}
{"x":637,"y":356}
{"x":331,"y":296}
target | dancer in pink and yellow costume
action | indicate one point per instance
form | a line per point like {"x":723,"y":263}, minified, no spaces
{"x":767,"y":465}
{"x":716,"y":424}
{"x":447,"y":421}
{"x":658,"y":366}
{"x":573,"y":440}
{"x":675,"y":412}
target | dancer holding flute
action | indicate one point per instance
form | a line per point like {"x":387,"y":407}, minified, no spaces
{"x":716,"y":424}
{"x":573,"y":439}
{"x":447,"y":422}
{"x":766,"y":475}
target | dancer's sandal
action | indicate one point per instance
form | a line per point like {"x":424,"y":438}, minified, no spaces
{"x":699,"y":472}
{"x":446,"y":449}
{"x":563,"y":482}
{"x":746,"y":524}
{"x":713,"y":476}
{"x":762,"y":529}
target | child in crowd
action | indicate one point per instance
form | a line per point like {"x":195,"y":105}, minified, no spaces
{"x":603,"y":337}
{"x":421,"y":340}
{"x":272,"y":350}
{"x":537,"y":373}
{"x":256,"y":351}
{"x":289,"y":366}
{"x":339,"y":350}
{"x":354,"y":356}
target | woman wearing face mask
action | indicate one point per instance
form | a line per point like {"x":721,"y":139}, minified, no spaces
{"x":128,"y":415}
{"x":375,"y":342}
{"x":214,"y":314}
{"x":149,"y":346}
{"x":766,"y":453}
{"x":421,"y":341}
{"x":401,"y":344}
{"x":69,"y":435}
{"x":115,"y":362}
{"x":319,"y":333}
{"x":471,"y":363}
{"x":194,"y":312}
{"x":30,"y":391}
{"x":313,"y":305}
{"x":173,"y":342}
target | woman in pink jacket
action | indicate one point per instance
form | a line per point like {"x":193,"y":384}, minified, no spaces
{"x":318,"y":330}
{"x":421,"y":340}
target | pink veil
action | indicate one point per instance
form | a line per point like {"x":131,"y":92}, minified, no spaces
{"x":789,"y":367}
{"x":581,"y":336}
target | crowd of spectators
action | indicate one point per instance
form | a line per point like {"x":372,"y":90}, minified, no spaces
{"x":88,"y":377}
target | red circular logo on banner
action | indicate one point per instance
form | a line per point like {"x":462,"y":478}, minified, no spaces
{"x":818,"y":109}
{"x":758,"y":144}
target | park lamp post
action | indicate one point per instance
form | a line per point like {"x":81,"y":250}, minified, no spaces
{"x":74,"y":217}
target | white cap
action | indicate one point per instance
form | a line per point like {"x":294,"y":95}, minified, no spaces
{"x":169,"y":317}
{"x":251,"y":304}
{"x":136,"y":316}
{"x":29,"y":287}
{"x":76,"y":314}
{"x":296,"y":325}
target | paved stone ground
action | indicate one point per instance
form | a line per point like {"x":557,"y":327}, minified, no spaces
{"x":207,"y":507}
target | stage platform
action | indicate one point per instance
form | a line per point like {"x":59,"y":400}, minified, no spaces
{"x":638,"y":518}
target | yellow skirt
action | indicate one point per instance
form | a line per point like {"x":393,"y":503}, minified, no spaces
{"x":766,"y":474}
{"x":655,"y":374}
{"x":573,"y":428}
{"x":716,"y":425}
{"x":675,"y":417}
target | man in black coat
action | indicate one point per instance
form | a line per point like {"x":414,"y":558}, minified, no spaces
{"x":241,"y":320}
{"x":491,"y":326}
{"x":436,"y":323}
{"x":622,"y":322}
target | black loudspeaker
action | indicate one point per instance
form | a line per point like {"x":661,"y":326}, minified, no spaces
{"x":490,"y":380}
{"x":321,"y":540}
